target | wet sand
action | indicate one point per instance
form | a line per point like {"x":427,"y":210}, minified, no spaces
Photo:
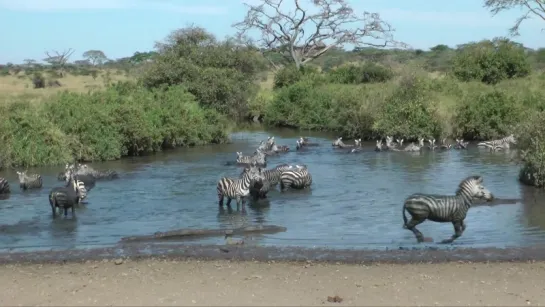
{"x":154,"y":282}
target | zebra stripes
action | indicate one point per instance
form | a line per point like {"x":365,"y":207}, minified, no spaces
{"x":271,"y":177}
{"x":84,"y":169}
{"x":29,"y":181}
{"x":444,"y":208}
{"x":65,"y":197}
{"x":239,"y":189}
{"x":258,"y":158}
{"x":503,"y":143}
{"x":4,"y":186}
{"x":295,"y":178}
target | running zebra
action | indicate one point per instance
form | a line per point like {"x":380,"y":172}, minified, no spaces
{"x":271,"y":177}
{"x":295,"y":178}
{"x":4,"y":186}
{"x":443,"y":208}
{"x":504,"y":143}
{"x":84,"y":169}
{"x":239,"y":189}
{"x":29,"y":181}
{"x":338,"y":143}
{"x":65,"y":197}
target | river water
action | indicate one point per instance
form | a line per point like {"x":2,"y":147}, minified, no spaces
{"x":355,"y":200}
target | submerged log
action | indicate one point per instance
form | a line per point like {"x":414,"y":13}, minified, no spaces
{"x":196,"y":233}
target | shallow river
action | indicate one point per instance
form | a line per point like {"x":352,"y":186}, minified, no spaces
{"x":355,"y":200}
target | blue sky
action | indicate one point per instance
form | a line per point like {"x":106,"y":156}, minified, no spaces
{"x":121,"y":27}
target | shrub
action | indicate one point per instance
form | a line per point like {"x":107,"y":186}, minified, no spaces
{"x":491,"y":61}
{"x":530,"y":135}
{"x":358,"y":74}
{"x":220,"y":74}
{"x":486,"y":115}
{"x":409,"y":112}
{"x":125,"y":119}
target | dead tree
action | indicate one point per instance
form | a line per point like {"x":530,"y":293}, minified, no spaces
{"x":59,"y":60}
{"x":307,"y":33}
{"x":530,"y":8}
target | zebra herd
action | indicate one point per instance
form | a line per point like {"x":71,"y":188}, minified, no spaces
{"x":79,"y":180}
{"x":254,"y":181}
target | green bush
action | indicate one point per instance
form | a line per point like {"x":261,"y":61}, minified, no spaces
{"x":409,"y":112}
{"x":491,"y":61}
{"x":530,"y":136}
{"x":358,"y":74}
{"x":123,"y":120}
{"x":220,"y":74}
{"x":289,"y":75}
{"x":487,"y":115}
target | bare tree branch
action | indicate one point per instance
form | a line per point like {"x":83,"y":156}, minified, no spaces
{"x":531,"y":8}
{"x":59,"y":59}
{"x":330,"y":23}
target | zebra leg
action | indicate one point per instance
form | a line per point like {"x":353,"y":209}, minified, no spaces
{"x":228,"y":202}
{"x":411,"y":225}
{"x":65,"y":211}
{"x":458,"y":230}
{"x":73,"y":212}
{"x":463,"y":226}
{"x":238,"y":199}
{"x":220,"y":200}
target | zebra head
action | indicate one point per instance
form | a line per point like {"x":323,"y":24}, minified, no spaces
{"x":254,"y":173}
{"x":239,"y":155}
{"x":472,"y":187}
{"x":21,"y":175}
{"x":301,"y":167}
{"x":357,"y":142}
{"x":379,"y":145}
{"x":298,"y":145}
{"x":421,"y":142}
{"x":400,"y":142}
{"x":270,"y":142}
{"x":338,"y":141}
{"x":511,"y":139}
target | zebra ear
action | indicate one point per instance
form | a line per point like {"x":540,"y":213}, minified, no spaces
{"x":478,"y":178}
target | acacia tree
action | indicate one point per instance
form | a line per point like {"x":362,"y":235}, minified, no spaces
{"x":306,"y":33}
{"x":530,"y":8}
{"x":59,"y":59}
{"x":96,"y":57}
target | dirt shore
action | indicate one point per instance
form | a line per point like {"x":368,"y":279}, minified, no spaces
{"x":155,"y":282}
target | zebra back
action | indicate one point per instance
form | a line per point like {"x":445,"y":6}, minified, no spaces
{"x":4,"y":186}
{"x":297,"y":177}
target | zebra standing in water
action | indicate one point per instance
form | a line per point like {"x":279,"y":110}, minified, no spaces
{"x":504,"y":143}
{"x":259,"y":158}
{"x":83,"y":189}
{"x":4,"y":186}
{"x":271,"y":177}
{"x":239,"y":189}
{"x":296,"y":178}
{"x":65,"y":197}
{"x":444,"y":208}
{"x":29,"y":181}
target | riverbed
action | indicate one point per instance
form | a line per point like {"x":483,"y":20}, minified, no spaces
{"x":355,"y":201}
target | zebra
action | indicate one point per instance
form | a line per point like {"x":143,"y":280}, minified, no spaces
{"x":460,"y":144}
{"x":271,"y":177}
{"x":84,"y":169}
{"x":258,"y":157}
{"x":299,"y":145}
{"x":445,"y":145}
{"x":29,"y":181}
{"x":239,"y":189}
{"x":4,"y":186}
{"x":357,"y":146}
{"x":296,"y":178}
{"x":65,"y":197}
{"x":504,"y":143}
{"x":444,"y":208}
{"x":84,"y":180}
{"x":281,"y":148}
{"x":432,"y":144}
{"x":380,"y":146}
{"x":413,"y":147}
{"x":338,"y":143}
{"x":306,"y":142}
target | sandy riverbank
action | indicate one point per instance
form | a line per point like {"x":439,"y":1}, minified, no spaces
{"x":214,"y":283}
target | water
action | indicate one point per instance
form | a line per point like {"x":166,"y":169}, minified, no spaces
{"x":355,"y":200}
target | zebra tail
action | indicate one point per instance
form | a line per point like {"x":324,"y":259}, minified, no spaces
{"x":405,"y":220}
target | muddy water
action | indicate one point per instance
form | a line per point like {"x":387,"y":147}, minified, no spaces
{"x":355,"y":201}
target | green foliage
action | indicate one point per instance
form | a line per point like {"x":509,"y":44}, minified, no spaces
{"x":260,"y":103}
{"x":487,"y":115}
{"x":219,"y":73}
{"x":491,"y":61}
{"x":359,"y":74}
{"x":409,"y":112}
{"x":289,"y":75}
{"x":530,"y":136}
{"x":123,"y":120}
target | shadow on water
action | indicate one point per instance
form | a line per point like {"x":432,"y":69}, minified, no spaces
{"x":355,"y":200}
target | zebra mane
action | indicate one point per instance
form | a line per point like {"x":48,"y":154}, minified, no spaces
{"x":475,"y":178}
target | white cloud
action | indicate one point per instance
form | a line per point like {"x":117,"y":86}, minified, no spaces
{"x":81,"y":5}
